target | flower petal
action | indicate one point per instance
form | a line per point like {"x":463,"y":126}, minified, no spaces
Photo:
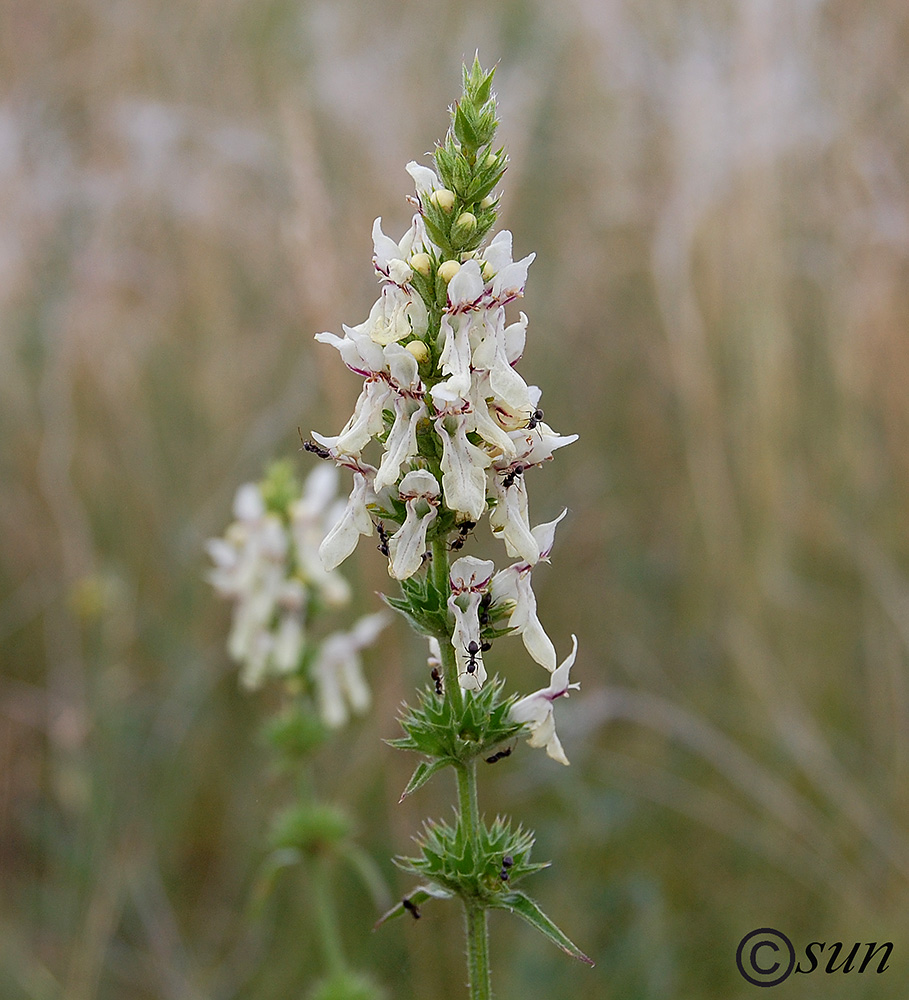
{"x":355,"y":521}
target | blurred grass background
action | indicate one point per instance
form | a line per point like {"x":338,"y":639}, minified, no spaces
{"x":718,"y":196}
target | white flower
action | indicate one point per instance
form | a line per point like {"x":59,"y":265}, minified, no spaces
{"x":468,"y":577}
{"x":513,"y":584}
{"x":401,"y":443}
{"x":311,"y":518}
{"x":358,"y":350}
{"x":355,"y":521}
{"x":465,"y":290}
{"x":268,"y":565}
{"x":251,"y":569}
{"x":338,"y":673}
{"x":455,"y":358}
{"x":420,"y":492}
{"x":425,"y":178}
{"x":365,"y":422}
{"x":391,"y":259}
{"x":536,"y":710}
{"x":469,"y":573}
{"x":491,"y":354}
{"x":510,"y":276}
{"x":489,"y":429}
{"x":536,"y":446}
{"x":467,"y":643}
{"x":510,"y":517}
{"x":463,"y":469}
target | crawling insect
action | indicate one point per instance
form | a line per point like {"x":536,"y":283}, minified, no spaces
{"x":535,"y":418}
{"x":501,"y":755}
{"x":313,"y":448}
{"x":485,"y":603}
{"x":464,"y":529}
{"x":518,"y":470}
{"x":472,"y":649}
{"x":411,"y":908}
{"x":507,"y":862}
{"x":383,"y":538}
{"x":437,"y":677}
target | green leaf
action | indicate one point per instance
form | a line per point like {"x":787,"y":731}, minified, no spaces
{"x":466,"y":125}
{"x":528,"y":910}
{"x":417,"y":897}
{"x":369,"y":873}
{"x":422,"y":774}
{"x":275,"y":862}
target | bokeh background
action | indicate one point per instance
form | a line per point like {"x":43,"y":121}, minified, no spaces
{"x":718,"y":195}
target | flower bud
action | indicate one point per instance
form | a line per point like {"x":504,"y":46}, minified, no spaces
{"x":488,"y":201}
{"x":465,"y":226}
{"x":419,"y":350}
{"x":448,"y":269}
{"x":421,"y":263}
{"x":443,"y":198}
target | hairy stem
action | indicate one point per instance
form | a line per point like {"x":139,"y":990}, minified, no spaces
{"x":478,"y":985}
{"x":468,"y":804}
{"x":475,"y":913}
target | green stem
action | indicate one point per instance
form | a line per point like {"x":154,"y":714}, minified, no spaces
{"x":479,"y":985}
{"x":327,"y":918}
{"x":468,"y":805}
{"x":449,"y":660}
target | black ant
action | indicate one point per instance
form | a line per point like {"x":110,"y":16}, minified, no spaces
{"x":485,"y":602}
{"x":383,"y":538}
{"x":412,"y":907}
{"x":535,"y":418}
{"x":518,"y":470}
{"x":464,"y":529}
{"x":437,"y":677}
{"x":501,"y":755}
{"x":426,"y":557}
{"x":507,"y":862}
{"x":473,"y":649}
{"x":315,"y":449}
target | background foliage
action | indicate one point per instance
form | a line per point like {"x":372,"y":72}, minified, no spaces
{"x":718,"y":194}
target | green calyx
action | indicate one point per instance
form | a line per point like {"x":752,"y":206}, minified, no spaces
{"x":480,"y":867}
{"x":311,"y":828}
{"x":347,"y":986}
{"x":453,"y":735}
{"x":296,"y":732}
{"x":423,"y":604}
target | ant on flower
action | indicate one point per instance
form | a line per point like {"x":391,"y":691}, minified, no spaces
{"x":383,"y":538}
{"x":472,"y":649}
{"x":518,"y":470}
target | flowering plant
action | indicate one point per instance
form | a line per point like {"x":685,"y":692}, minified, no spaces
{"x":268,"y":565}
{"x":445,"y":431}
